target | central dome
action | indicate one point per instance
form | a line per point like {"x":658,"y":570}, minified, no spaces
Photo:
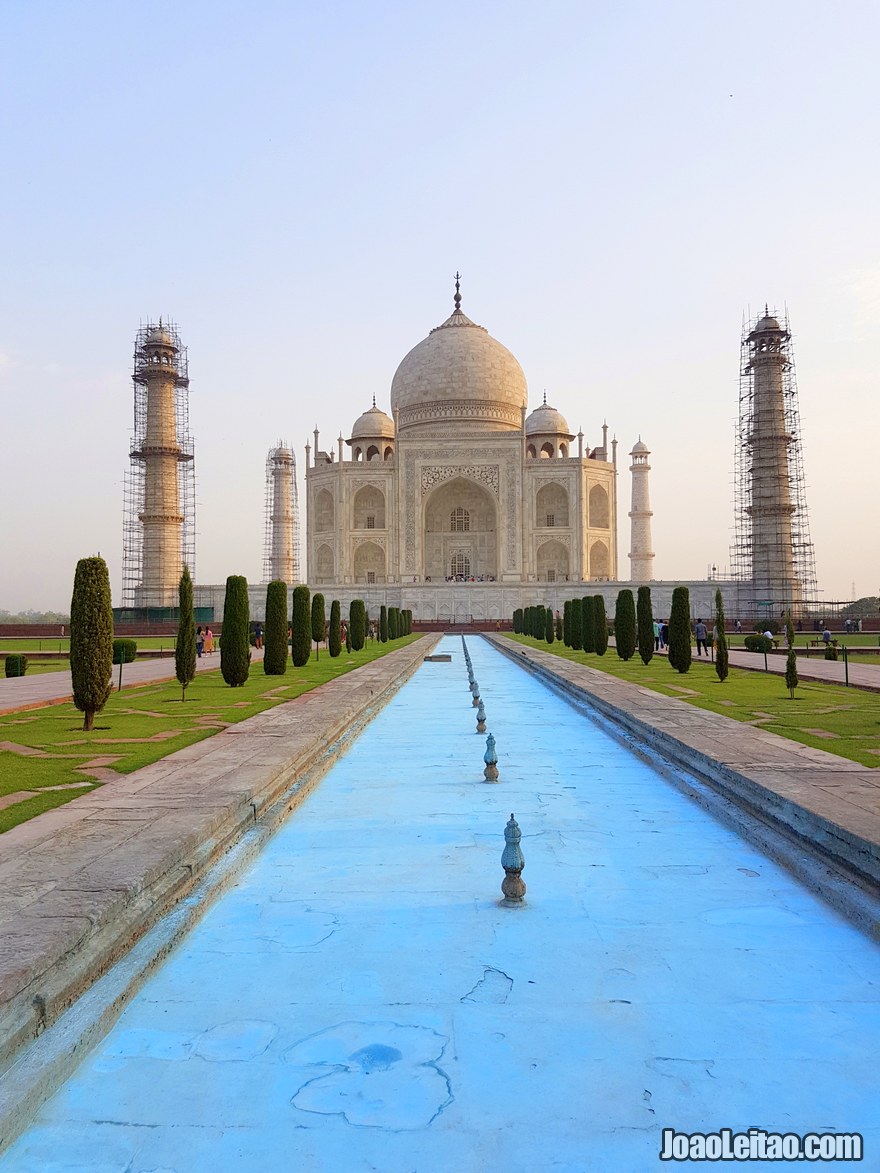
{"x":458,"y":381}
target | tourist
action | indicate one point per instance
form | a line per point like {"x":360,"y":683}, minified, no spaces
{"x":200,"y":640}
{"x":209,"y":642}
{"x":826,"y":637}
{"x":656,"y":636}
{"x":664,"y":633}
{"x":701,"y":634}
{"x":737,"y":627}
{"x":258,"y":636}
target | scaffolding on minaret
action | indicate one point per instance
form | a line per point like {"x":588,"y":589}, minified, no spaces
{"x":772,"y":554}
{"x":146,"y":575}
{"x":281,"y":547}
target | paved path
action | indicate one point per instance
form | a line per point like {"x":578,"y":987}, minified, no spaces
{"x":814,"y":668}
{"x":358,"y":1000}
{"x":52,"y":688}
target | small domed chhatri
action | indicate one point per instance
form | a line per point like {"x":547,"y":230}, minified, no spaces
{"x":458,"y":380}
{"x":372,"y":437}
{"x":547,"y":432}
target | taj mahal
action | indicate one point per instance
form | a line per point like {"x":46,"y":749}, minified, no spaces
{"x":461,"y":505}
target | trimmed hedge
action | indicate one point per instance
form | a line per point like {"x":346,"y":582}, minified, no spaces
{"x":357,"y":624}
{"x":185,"y":644}
{"x":577,"y":614}
{"x":301,"y":643}
{"x":319,"y":620}
{"x":91,"y":638}
{"x":758,"y":643}
{"x":334,"y":639}
{"x":625,"y":625}
{"x":588,"y":623}
{"x":600,"y":626}
{"x":16,"y":664}
{"x":275,"y":631}
{"x":124,"y":651}
{"x":680,"y":653}
{"x":645,"y":624}
{"x":235,"y":652}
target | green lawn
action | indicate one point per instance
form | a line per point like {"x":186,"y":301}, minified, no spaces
{"x":142,"y":724}
{"x":843,"y":721}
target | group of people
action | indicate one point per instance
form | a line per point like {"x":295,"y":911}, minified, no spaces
{"x":701,"y":634}
{"x":204,"y":641}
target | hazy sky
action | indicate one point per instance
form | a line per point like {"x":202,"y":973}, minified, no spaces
{"x":295,"y":185}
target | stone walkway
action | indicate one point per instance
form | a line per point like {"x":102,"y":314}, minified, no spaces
{"x":865,"y":676}
{"x":53,"y":688}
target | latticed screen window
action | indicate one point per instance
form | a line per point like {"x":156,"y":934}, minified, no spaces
{"x":551,"y":520}
{"x":461,"y":564}
{"x":551,"y":576}
{"x":371,"y":576}
{"x":371,"y":521}
{"x":460,"y":521}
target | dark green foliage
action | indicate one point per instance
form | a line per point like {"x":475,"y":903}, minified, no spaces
{"x":301,"y":620}
{"x":16,"y":664}
{"x":124,"y":651}
{"x":680,"y":630}
{"x":566,"y":623}
{"x":757,"y":643}
{"x":588,"y":623}
{"x":791,"y":673}
{"x":185,"y":644}
{"x":235,"y":652}
{"x":383,"y":624}
{"x":408,"y":629}
{"x":319,"y":620}
{"x":600,"y":626}
{"x":558,"y":626}
{"x":625,"y":625}
{"x":645,"y":624}
{"x":550,"y":626}
{"x":577,"y":637}
{"x":517,"y":621}
{"x":771,"y":625}
{"x":357,"y":624}
{"x":831,"y":652}
{"x":334,"y":640}
{"x":722,"y":659}
{"x":91,"y":638}
{"x":393,"y":632}
{"x":348,"y":639}
{"x":275,"y":629}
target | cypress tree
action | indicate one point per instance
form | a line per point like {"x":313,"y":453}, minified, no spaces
{"x":517,"y":621}
{"x":558,"y":626}
{"x":588,"y":623}
{"x":235,"y":643}
{"x":680,"y":630}
{"x":319,"y":621}
{"x":645,"y":624}
{"x":721,"y":656}
{"x":393,"y":626}
{"x":576,"y":624}
{"x":348,"y":639}
{"x":600,"y":626}
{"x":383,"y":624}
{"x":625,"y":625}
{"x":91,"y":638}
{"x":275,"y":630}
{"x":301,"y":620}
{"x":550,"y":628}
{"x":185,"y":645}
{"x":791,"y":674}
{"x":566,"y":623}
{"x":334,"y":642}
{"x":357,"y":624}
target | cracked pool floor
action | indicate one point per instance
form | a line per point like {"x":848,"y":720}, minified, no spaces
{"x":361,"y":1001}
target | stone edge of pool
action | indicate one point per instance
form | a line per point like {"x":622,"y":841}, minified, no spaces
{"x":811,"y":801}
{"x":80,"y":886}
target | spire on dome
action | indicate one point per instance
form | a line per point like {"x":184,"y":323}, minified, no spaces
{"x":374,"y":399}
{"x":545,"y":398}
{"x":457,"y":298}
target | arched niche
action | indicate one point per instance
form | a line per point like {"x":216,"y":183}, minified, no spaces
{"x":373,"y":452}
{"x":368,"y":508}
{"x":389,"y":452}
{"x":324,"y":564}
{"x":325,"y":511}
{"x":460,"y":519}
{"x":551,"y":506}
{"x":547,"y":451}
{"x":369,"y":563}
{"x":600,"y":509}
{"x":552,"y":562}
{"x":530,"y":452}
{"x":600,"y":562}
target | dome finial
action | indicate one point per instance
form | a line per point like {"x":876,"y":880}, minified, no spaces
{"x":545,"y":398}
{"x":374,"y":399}
{"x":457,"y":298}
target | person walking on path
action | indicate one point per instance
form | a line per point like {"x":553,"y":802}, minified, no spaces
{"x":258,"y":636}
{"x":209,"y":642}
{"x":656,"y":636}
{"x":701,"y":635}
{"x":200,"y":641}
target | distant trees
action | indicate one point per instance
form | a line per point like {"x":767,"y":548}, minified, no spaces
{"x":235,"y":649}
{"x":275,"y":631}
{"x":357,"y":624}
{"x":625,"y":625}
{"x":566,"y":623}
{"x":301,"y":621}
{"x":791,"y":673}
{"x":334,"y":639}
{"x":645,"y":624}
{"x":383,"y":624}
{"x":680,"y":630}
{"x":722,"y":658}
{"x":185,"y":644}
{"x":558,"y":626}
{"x":319,"y":621}
{"x":600,"y":626}
{"x":91,"y":638}
{"x":577,"y":641}
{"x":588,"y":623}
{"x":549,"y":626}
{"x":518,"y":621}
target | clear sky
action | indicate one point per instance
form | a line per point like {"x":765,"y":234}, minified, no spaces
{"x":295,"y":185}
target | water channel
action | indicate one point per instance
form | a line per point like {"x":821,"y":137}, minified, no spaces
{"x":360,"y":1001}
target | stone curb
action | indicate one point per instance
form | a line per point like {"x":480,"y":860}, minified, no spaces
{"x":822,"y":809}
{"x":78,"y":892}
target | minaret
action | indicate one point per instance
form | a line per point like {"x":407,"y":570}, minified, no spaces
{"x":281,"y":555}
{"x":641,"y":555}
{"x":161,"y":443}
{"x":770,"y":507}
